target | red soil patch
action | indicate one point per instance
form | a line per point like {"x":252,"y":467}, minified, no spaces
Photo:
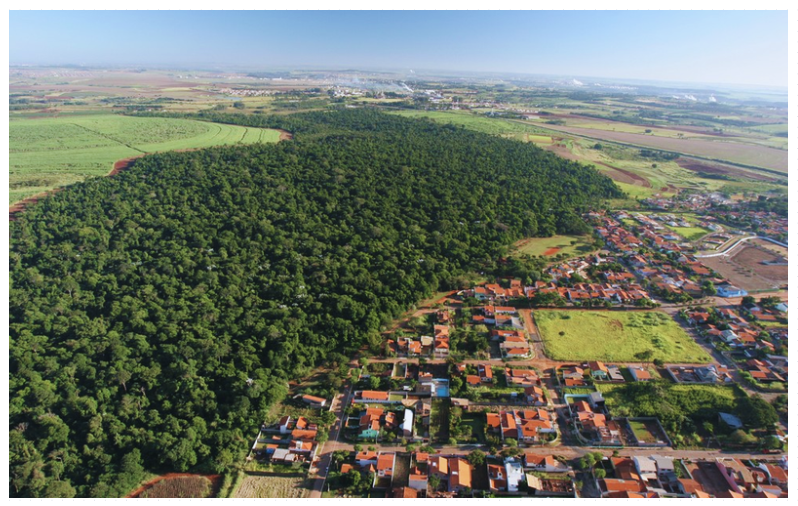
{"x":707,"y":168}
{"x":628,"y":176}
{"x":284,"y":135}
{"x":216,"y":483}
{"x":551,"y":251}
{"x":752,"y":256}
{"x":16,"y":209}
{"x":121,"y":165}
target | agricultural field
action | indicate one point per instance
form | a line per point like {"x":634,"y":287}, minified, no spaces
{"x":52,"y":152}
{"x":568,"y":245}
{"x":267,"y":487}
{"x":736,"y":152}
{"x":615,"y":336}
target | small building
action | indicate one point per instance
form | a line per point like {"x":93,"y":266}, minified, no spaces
{"x":639,"y":374}
{"x":316,"y":402}
{"x":598,"y":370}
{"x":407,"y":424}
{"x":515,"y":475}
{"x":731,"y":291}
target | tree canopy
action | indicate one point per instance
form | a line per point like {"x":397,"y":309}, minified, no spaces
{"x":156,"y":315}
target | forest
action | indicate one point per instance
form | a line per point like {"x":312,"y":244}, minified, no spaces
{"x":157,"y":314}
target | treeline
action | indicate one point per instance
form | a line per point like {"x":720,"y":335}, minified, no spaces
{"x":156,"y":315}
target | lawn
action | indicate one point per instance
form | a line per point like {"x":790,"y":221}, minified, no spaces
{"x":477,"y":423}
{"x":641,"y":432}
{"x":260,"y":487}
{"x":615,"y":336}
{"x":46,"y":153}
{"x":554,"y":245}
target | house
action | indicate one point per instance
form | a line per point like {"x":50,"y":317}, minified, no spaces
{"x":385,"y":464}
{"x":405,"y":493}
{"x":609,"y":486}
{"x":493,"y":422}
{"x":688,"y":486}
{"x":473,"y":380}
{"x":285,"y":424}
{"x":316,"y":402}
{"x":374,"y":396}
{"x":370,"y":423}
{"x":639,"y":374}
{"x":731,"y":291}
{"x":544,"y":464}
{"x":522,"y":377}
{"x":439,"y":466}
{"x":304,"y":435}
{"x":615,"y":373}
{"x":497,"y":478}
{"x":485,"y":373}
{"x":572,"y":372}
{"x":646,"y":467}
{"x":534,"y":396}
{"x":740,"y":473}
{"x":441,"y":346}
{"x":598,"y":370}
{"x":417,"y":479}
{"x":514,"y":473}
{"x":516,"y":352}
{"x":776,"y":475}
{"x":365,"y":458}
{"x":460,"y":472}
{"x":283,"y":456}
{"x":389,"y":420}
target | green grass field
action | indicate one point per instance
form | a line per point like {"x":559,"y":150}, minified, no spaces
{"x":46,"y":153}
{"x":539,"y":245}
{"x":615,"y":336}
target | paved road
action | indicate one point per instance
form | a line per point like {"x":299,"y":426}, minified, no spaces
{"x":339,"y":404}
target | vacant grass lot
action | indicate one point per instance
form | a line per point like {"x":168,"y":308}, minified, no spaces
{"x":615,"y":336}
{"x":184,"y":487}
{"x":554,"y":245}
{"x":46,"y":153}
{"x":261,"y":487}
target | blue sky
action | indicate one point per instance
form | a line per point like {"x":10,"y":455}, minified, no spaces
{"x":728,"y":47}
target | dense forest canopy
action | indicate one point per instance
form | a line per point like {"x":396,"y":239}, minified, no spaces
{"x":155,"y":315}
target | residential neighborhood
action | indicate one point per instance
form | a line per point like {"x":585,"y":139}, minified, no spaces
{"x":466,"y":399}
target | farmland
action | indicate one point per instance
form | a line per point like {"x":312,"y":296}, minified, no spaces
{"x":736,"y":152}
{"x":53,"y":152}
{"x":615,"y":336}
{"x":262,"y":487}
